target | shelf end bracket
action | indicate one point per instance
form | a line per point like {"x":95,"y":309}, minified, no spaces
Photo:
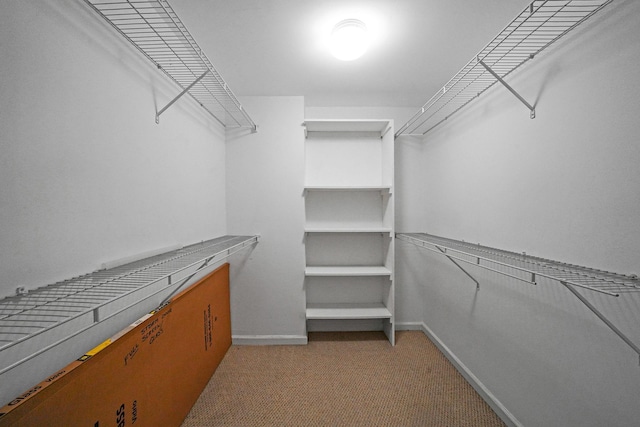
{"x":459,"y":266}
{"x":532,"y":109}
{"x":180,"y":95}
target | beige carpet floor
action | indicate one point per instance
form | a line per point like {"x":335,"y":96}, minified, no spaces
{"x":340,"y":379}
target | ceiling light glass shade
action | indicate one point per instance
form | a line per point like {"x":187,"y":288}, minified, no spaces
{"x":349,"y":39}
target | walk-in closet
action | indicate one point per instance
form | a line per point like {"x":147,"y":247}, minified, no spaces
{"x":292,"y":212}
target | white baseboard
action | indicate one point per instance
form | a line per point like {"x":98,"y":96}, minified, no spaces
{"x":504,"y":414}
{"x":269,"y":339}
{"x":409,"y":326}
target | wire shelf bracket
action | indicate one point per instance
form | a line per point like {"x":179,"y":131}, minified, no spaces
{"x":512,"y":90}
{"x":538,"y":26}
{"x":153,"y":27}
{"x":527,"y":268}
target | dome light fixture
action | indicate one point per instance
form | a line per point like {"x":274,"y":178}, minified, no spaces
{"x":349,"y":39}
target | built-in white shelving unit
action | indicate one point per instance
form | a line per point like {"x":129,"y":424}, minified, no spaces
{"x":349,"y":225}
{"x":540,"y":24}
{"x":155,"y":29}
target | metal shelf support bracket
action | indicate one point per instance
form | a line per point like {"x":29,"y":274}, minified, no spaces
{"x":180,"y":95}
{"x":606,"y":321}
{"x":532,"y":109}
{"x":444,"y":252}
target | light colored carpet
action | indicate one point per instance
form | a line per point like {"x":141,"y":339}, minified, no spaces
{"x":340,"y":379}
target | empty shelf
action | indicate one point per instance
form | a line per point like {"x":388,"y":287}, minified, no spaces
{"x":347,"y":230}
{"x":81,"y":302}
{"x":490,"y":258}
{"x":538,"y":26}
{"x":343,"y":271}
{"x":528,"y":268}
{"x":381,"y":188}
{"x":154,"y":28}
{"x":347,"y":311}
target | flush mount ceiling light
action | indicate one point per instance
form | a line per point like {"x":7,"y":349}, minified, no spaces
{"x":349,"y":39}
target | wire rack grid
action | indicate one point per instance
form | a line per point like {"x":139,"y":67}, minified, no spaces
{"x":540,"y":24}
{"x":154,"y":28}
{"x":87,"y":297}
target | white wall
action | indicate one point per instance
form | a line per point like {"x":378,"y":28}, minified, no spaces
{"x":87,"y":176}
{"x":562,"y":186}
{"x":265,"y":174}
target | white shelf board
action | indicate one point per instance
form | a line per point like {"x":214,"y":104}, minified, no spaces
{"x":342,"y":271}
{"x":348,"y":311}
{"x":155,"y":29}
{"x":381,"y":188}
{"x":346,"y":125}
{"x":347,"y":230}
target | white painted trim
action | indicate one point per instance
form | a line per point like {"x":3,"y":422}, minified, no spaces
{"x":504,"y":414}
{"x":269,"y":339}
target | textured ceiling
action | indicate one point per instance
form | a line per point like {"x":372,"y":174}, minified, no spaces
{"x":272,"y":47}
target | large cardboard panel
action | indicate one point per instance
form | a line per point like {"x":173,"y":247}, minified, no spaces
{"x":151,"y":374}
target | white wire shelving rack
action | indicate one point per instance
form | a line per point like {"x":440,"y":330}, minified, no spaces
{"x":529,"y":268}
{"x":539,"y":25}
{"x":80,"y":303}
{"x":155,"y":29}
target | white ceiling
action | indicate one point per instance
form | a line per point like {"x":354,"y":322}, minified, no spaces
{"x":271,"y":47}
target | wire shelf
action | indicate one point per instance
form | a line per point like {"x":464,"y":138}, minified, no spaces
{"x":93,"y":295}
{"x":153,"y":27}
{"x":528,"y":268}
{"x":539,"y":25}
{"x":608,"y":283}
